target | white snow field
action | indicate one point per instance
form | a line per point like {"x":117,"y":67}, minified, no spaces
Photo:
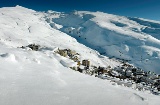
{"x":43,"y":77}
{"x":134,"y":39}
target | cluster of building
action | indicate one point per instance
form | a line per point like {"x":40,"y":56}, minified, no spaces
{"x":132,"y":75}
{"x":125,"y":74}
{"x":73,"y":55}
{"x":148,"y":79}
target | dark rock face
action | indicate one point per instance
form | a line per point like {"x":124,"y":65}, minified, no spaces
{"x":34,"y":47}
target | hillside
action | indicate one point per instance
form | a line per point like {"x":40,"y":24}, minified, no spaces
{"x":43,"y":77}
{"x":133,"y":39}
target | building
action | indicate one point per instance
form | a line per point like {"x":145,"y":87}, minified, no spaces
{"x":78,"y":63}
{"x":62,"y":52}
{"x":86,"y":63}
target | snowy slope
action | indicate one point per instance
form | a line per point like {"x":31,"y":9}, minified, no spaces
{"x":40,"y":77}
{"x":133,"y":39}
{"x":21,"y":30}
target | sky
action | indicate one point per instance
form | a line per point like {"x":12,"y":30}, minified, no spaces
{"x":148,"y":9}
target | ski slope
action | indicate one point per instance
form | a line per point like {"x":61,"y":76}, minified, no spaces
{"x":42,"y":78}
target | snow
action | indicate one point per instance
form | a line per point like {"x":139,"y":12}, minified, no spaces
{"x":50,"y":83}
{"x":43,"y":77}
{"x":115,"y":36}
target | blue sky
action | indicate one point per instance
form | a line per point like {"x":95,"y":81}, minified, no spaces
{"x":149,"y":9}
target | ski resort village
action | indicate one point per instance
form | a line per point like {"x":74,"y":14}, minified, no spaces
{"x":78,"y":58}
{"x":125,"y":74}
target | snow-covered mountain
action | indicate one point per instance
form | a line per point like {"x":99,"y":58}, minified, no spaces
{"x":44,"y":77}
{"x":133,"y":39}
